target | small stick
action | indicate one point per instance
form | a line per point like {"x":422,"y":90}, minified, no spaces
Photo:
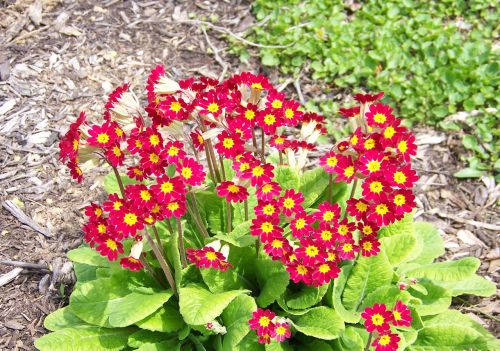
{"x":229,"y":209}
{"x":24,"y":264}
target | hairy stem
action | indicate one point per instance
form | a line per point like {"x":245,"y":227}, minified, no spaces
{"x":222,"y":168}
{"x":195,"y":213}
{"x":245,"y":204}
{"x":119,"y":180}
{"x":182,"y":251}
{"x":148,"y":267}
{"x":281,"y":157}
{"x":209,"y":163}
{"x":263,"y":147}
{"x":254,"y":142}
{"x":163,"y":263}
{"x":367,"y":347}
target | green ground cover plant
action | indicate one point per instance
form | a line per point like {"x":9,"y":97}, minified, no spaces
{"x":246,"y":248}
{"x":432,"y":58}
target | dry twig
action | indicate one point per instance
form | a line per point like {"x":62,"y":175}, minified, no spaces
{"x":217,"y":57}
{"x":23,"y":218}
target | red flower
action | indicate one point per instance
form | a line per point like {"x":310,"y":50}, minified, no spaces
{"x":211,"y":103}
{"x":131,"y":263}
{"x":150,"y":138}
{"x":281,"y":332}
{"x":386,"y":342}
{"x":93,"y":212}
{"x":175,"y":208}
{"x":367,"y":228}
{"x":377,"y":318}
{"x":269,"y":120}
{"x":152,"y":160}
{"x":114,"y":204}
{"x":231,"y":191}
{"x":374,"y":188}
{"x":277,"y":247}
{"x":325,"y":234}
{"x":327,"y":213}
{"x":75,"y":171}
{"x":265,"y":228}
{"x":349,"y":112}
{"x":167,"y":188}
{"x":264,"y":339}
{"x":207,"y":257}
{"x":136,"y":173}
{"x":191,"y":172}
{"x":310,"y":252}
{"x":140,"y":195}
{"x":290,"y":202}
{"x":357,"y":208}
{"x":110,"y":248}
{"x":267,"y":191}
{"x":258,"y":82}
{"x":267,"y":209}
{"x":174,"y":151}
{"x":115,"y":95}
{"x":324,"y":273}
{"x":279,"y":142}
{"x":275,"y":99}
{"x":344,"y":229}
{"x":402,"y":177}
{"x":299,"y":273}
{"x":291,"y":114}
{"x":366,"y":98}
{"x":301,"y":225}
{"x":115,"y":155}
{"x":347,"y":250}
{"x":127,"y":221}
{"x":262,"y":321}
{"x":406,"y":147}
{"x":390,"y":133}
{"x":381,"y":213}
{"x":248,"y":114}
{"x":401,"y":315}
{"x":345,"y":168}
{"x":260,"y":173}
{"x":371,"y":162}
{"x":379,"y":115}
{"x":197,"y":139}
{"x":329,"y":161}
{"x":173,"y":108}
{"x":369,"y":245}
{"x":229,"y":145}
{"x":403,"y":201}
{"x":102,"y":136}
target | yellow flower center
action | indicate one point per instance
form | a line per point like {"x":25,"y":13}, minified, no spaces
{"x":384,"y":340}
{"x":376,"y":187}
{"x":277,"y":104}
{"x":175,"y":106}
{"x":166,"y":187}
{"x":267,"y":188}
{"x":269,"y":119}
{"x":361,"y":206}
{"x":324,"y":268}
{"x":367,"y":230}
{"x":367,"y":245}
{"x":289,"y":113}
{"x":312,"y":251}
{"x":173,"y":206}
{"x":288,"y":203}
{"x":343,"y":229}
{"x":397,"y":315}
{"x":258,"y":171}
{"x":228,"y":143}
{"x":154,"y":158}
{"x":102,"y":138}
{"x":75,"y":144}
{"x":354,"y":140}
{"x":326,"y":235}
{"x":268,"y":209}
{"x":233,"y":189}
{"x":264,"y":321}
{"x":154,"y":140}
{"x":399,"y":200}
{"x":249,"y":115}
{"x":173,"y":151}
{"x":379,"y":118}
{"x":402,"y":146}
{"x":213,"y":107}
{"x":117,"y":205}
{"x":111,"y":244}
{"x":369,"y":144}
{"x":399,"y":177}
{"x":267,"y":227}
{"x":187,"y":172}
{"x":300,"y":223}
{"x":373,"y":166}
{"x":381,"y":209}
{"x":145,"y":195}
{"x":277,"y":244}
{"x":332,"y":161}
{"x":377,"y":319}
{"x":389,"y":132}
{"x":117,"y":151}
{"x":101,"y":228}
{"x":211,"y":256}
{"x":349,"y":171}
{"x":280,"y":330}
{"x":301,"y":269}
{"x":328,"y":216}
{"x":130,"y":219}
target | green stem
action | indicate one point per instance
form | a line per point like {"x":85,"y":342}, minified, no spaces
{"x":158,"y":240}
{"x":229,"y":210}
{"x":353,"y":189}
{"x":222,"y":167}
{"x":367,"y":347}
{"x":254,"y":142}
{"x":245,"y":204}
{"x":182,"y":251}
{"x":281,"y":157}
{"x":148,"y":267}
{"x":119,"y":180}
{"x":169,"y":226}
{"x":161,"y":260}
{"x":210,"y":167}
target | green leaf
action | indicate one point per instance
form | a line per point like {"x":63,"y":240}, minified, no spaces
{"x":219,"y":282}
{"x":273,"y":280}
{"x":368,"y":274}
{"x":170,"y":345}
{"x":436,"y":300}
{"x":338,"y":289}
{"x":62,"y":318}
{"x":318,"y":345}
{"x":111,"y":185}
{"x":398,"y":247}
{"x":85,"y":338}
{"x":84,"y":272}
{"x":212,"y":210}
{"x":320,"y":322}
{"x":250,"y":343}
{"x":166,"y":319}
{"x":469,"y":173}
{"x":105,"y":302}
{"x":474,"y":285}
{"x":448,"y":271}
{"x":240,"y":236}
{"x":235,"y":318}
{"x":142,"y":337}
{"x":88,"y":256}
{"x":199,"y":306}
{"x":449,"y":338}
{"x":268,"y":59}
{"x":431,"y":242}
{"x":312,"y":184}
{"x":286,"y":177}
{"x":403,"y":226}
{"x":306,"y":297}
{"x":278,"y":346}
{"x":350,"y":340}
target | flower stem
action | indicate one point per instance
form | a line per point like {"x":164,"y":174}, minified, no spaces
{"x":195,"y":213}
{"x":209,"y":163}
{"x":263,"y":147}
{"x":229,"y":209}
{"x":353,"y":189}
{"x":158,"y":240}
{"x":148,"y":267}
{"x":119,"y":180}
{"x":163,"y":263}
{"x":245,"y":204}
{"x":367,"y":347}
{"x":330,"y":186}
{"x":254,"y":142}
{"x":223,"y":171}
{"x":182,"y":251}
{"x":212,"y":157}
{"x":281,"y":157}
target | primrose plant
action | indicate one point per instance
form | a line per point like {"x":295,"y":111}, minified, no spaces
{"x":226,"y":228}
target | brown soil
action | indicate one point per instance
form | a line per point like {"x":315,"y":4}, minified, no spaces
{"x":50,"y":69}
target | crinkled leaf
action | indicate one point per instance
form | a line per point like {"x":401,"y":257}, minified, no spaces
{"x":368,"y":274}
{"x":199,"y":306}
{"x":62,"y":318}
{"x":398,"y":247}
{"x":286,"y":177}
{"x":110,"y":183}
{"x":166,"y":319}
{"x":273,"y":280}
{"x":312,"y":184}
{"x":431,"y":243}
{"x":338,"y":289}
{"x":88,"y":256}
{"x":436,"y":300}
{"x":235,"y":317}
{"x":350,"y":340}
{"x":448,"y":271}
{"x":474,"y":285}
{"x":449,"y":338}
{"x":320,"y":322}
{"x":219,"y":282}
{"x":85,"y":339}
{"x":142,"y":337}
{"x":403,"y":226}
{"x":105,"y":302}
{"x":240,"y":236}
{"x":84,"y":272}
{"x":306,"y":297}
{"x":170,"y":345}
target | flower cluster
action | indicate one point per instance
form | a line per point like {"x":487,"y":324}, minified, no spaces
{"x":207,"y":257}
{"x":379,"y":319}
{"x":268,"y":326}
{"x":378,"y":154}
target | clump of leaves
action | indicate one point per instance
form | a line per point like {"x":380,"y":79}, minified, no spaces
{"x":219,"y":238}
{"x":433,"y":58}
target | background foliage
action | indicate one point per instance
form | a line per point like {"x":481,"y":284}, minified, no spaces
{"x":432,"y":58}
